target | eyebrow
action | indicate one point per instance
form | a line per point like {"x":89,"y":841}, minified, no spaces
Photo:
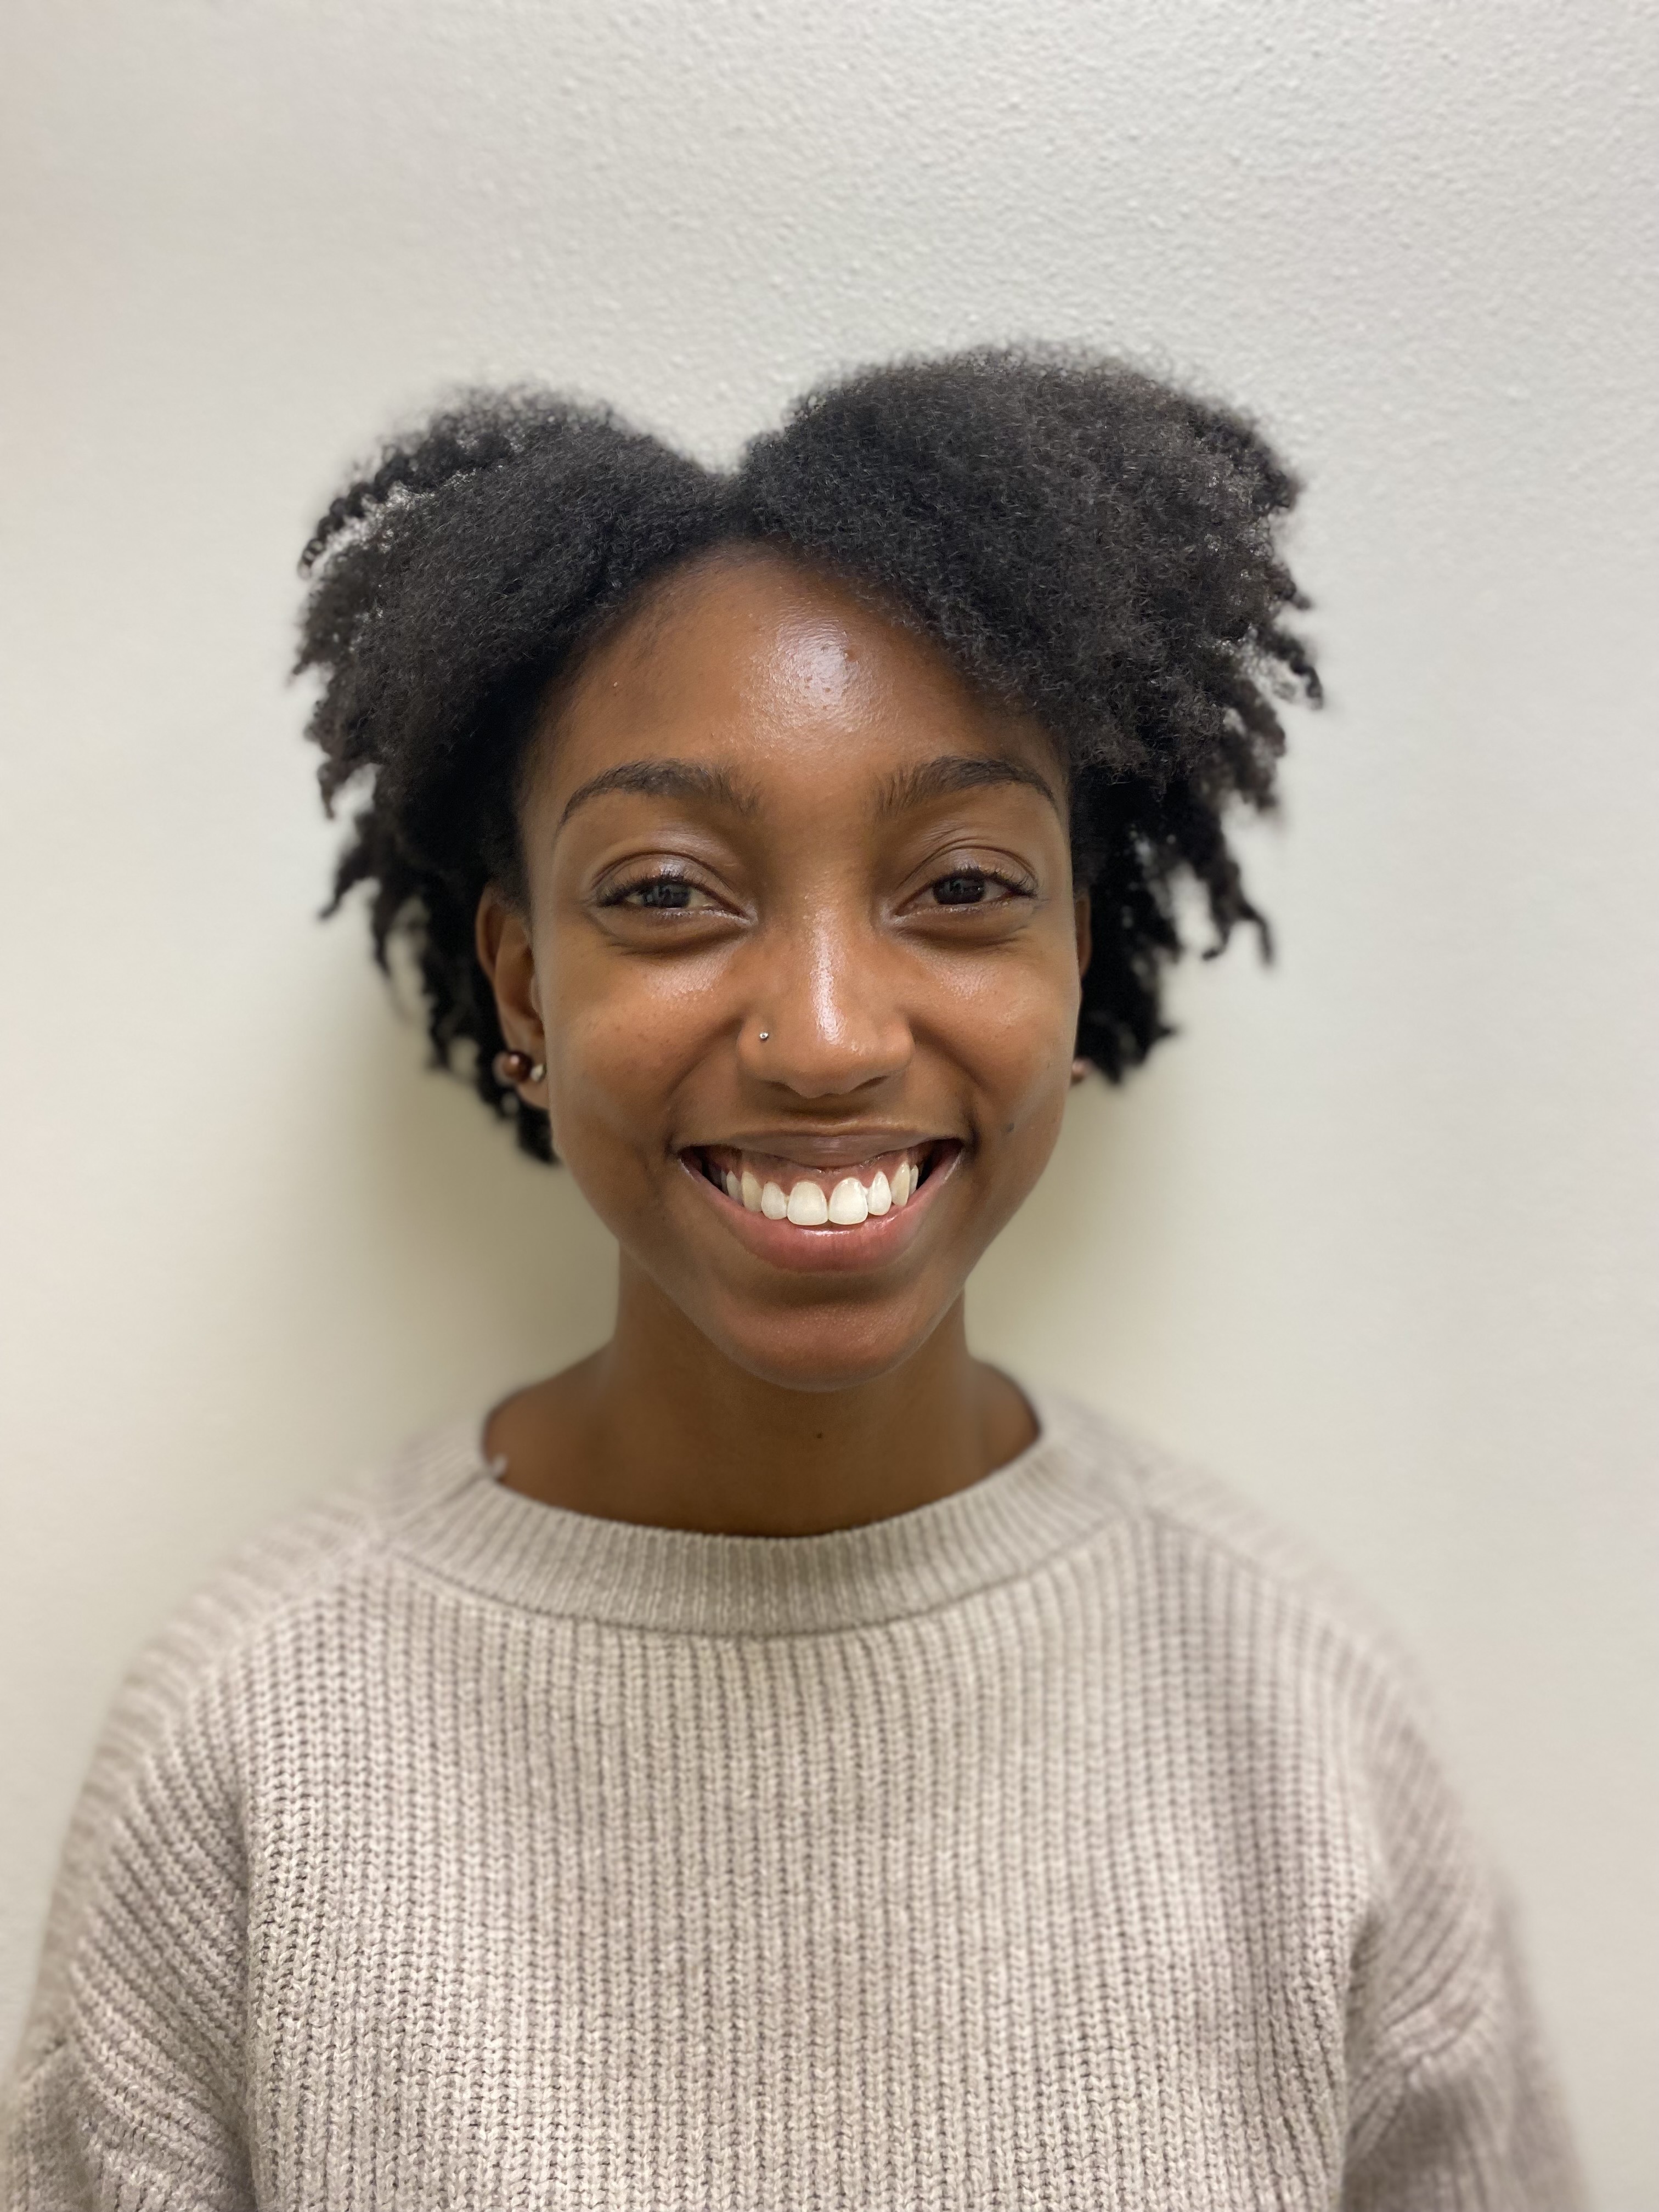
{"x":663,"y":779}
{"x":953,"y":772}
{"x":912,"y":787}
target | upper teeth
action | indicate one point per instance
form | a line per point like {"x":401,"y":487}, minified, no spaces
{"x":848,"y":1201}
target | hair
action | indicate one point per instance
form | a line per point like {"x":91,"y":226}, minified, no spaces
{"x":1083,"y":541}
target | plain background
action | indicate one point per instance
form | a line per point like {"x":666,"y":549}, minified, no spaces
{"x":1375,"y":1237}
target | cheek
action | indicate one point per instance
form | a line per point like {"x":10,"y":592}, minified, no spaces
{"x":621,"y":1037}
{"x":1017,"y":1035}
{"x":1013,"y":1023}
{"x":604,"y":1074}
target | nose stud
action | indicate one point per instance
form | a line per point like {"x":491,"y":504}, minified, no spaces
{"x":764,"y":1034}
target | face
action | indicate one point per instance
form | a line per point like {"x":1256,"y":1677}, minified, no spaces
{"x":801,"y":958}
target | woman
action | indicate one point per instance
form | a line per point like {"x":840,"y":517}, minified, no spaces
{"x":781,"y":1760}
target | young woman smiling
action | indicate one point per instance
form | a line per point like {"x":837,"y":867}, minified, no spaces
{"x":781,"y":1760}
{"x":794,"y":970}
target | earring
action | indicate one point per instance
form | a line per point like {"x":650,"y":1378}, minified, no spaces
{"x":512,"y":1068}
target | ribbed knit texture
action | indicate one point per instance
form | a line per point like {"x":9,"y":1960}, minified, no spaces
{"x":1067,"y":1843}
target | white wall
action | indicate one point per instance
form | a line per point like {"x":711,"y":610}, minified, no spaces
{"x":1377,"y":1239}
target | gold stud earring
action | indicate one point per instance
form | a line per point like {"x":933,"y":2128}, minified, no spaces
{"x":512,"y":1068}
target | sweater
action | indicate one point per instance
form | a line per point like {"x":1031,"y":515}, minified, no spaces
{"x":1067,"y":1842}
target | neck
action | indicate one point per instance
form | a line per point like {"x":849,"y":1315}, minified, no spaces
{"x":660,"y":1428}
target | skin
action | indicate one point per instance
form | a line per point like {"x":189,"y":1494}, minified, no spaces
{"x":907,"y":934}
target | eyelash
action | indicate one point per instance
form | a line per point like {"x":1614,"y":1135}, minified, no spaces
{"x":624,"y":892}
{"x":1016,"y":886}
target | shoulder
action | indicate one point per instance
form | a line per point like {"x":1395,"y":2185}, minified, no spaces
{"x":260,"y":1587}
{"x":1222,"y":1576}
{"x":164,"y":1785}
{"x":1271,"y":1671}
{"x":1286,"y":1684}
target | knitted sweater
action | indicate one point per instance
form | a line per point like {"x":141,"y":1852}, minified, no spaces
{"x":1064,"y":1843}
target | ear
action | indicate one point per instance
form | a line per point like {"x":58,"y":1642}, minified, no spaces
{"x":1084,"y":937}
{"x":501,"y":935}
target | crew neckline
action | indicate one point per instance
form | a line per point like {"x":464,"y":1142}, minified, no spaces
{"x":450,"y":1517}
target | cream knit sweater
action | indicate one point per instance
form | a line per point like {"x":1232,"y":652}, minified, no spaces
{"x":1062,"y":1844}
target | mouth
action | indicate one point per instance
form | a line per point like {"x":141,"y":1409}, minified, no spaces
{"x":821,"y":1199}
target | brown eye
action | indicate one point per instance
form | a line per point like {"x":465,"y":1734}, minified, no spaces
{"x":967,"y":888}
{"x":659,"y":894}
{"x":976,"y":887}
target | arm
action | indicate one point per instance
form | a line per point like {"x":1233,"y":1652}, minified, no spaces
{"x":127,"y":2094}
{"x":1451,"y":2105}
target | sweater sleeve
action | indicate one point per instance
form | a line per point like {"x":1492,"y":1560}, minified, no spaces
{"x":127,"y":2091}
{"x":1452,"y":2107}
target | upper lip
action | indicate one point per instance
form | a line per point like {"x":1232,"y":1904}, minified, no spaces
{"x":822,"y":1148}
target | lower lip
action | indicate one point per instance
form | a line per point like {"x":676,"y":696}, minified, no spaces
{"x":847,"y":1251}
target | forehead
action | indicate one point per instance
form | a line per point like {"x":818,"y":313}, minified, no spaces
{"x":753,"y":659}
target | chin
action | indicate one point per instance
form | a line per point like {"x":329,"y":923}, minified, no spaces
{"x":821,"y":1350}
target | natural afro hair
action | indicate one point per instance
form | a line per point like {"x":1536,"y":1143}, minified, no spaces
{"x":1082,"y":540}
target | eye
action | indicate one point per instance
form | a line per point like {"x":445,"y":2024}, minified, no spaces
{"x":975,"y":887}
{"x":662,"y":893}
{"x":966,"y":888}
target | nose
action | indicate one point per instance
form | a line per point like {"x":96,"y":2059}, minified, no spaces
{"x":825,"y":996}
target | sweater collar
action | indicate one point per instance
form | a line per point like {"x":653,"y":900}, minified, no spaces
{"x":447,"y":1512}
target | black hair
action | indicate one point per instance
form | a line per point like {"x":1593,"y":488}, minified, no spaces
{"x":1081,"y":540}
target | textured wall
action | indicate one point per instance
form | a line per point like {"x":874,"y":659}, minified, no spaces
{"x":1377,"y":1239}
